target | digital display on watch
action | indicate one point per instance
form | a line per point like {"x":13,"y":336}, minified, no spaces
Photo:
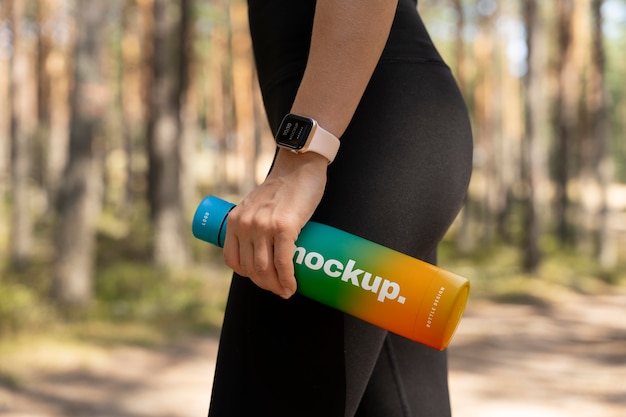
{"x":294,"y":131}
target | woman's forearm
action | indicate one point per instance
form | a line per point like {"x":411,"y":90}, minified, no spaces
{"x":347,"y":41}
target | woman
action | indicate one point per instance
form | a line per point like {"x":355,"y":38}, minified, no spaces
{"x":367,"y":72}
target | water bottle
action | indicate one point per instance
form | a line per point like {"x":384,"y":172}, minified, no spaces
{"x":389,"y":289}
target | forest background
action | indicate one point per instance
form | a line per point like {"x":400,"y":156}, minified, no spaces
{"x":117,"y":117}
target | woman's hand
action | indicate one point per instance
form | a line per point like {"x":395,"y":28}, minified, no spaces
{"x":263,"y":228}
{"x":347,"y":41}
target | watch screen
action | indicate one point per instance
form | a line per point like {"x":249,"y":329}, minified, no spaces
{"x":294,"y":131}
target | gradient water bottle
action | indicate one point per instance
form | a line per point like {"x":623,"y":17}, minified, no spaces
{"x":384,"y":287}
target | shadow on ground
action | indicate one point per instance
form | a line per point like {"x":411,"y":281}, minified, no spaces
{"x":565,"y":359}
{"x":509,"y":358}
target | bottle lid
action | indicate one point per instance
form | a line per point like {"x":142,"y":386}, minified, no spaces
{"x":442,"y":309}
{"x":209,"y":222}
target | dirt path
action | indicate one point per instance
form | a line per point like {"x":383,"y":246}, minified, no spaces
{"x":567,"y":358}
{"x":563,"y":359}
{"x":117,"y":382}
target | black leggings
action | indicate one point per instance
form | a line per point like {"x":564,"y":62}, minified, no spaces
{"x":399,"y":180}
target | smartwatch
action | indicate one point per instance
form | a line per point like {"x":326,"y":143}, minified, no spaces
{"x":302,"y":134}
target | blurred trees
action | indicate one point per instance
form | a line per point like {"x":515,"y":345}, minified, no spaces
{"x":164,"y":132}
{"x":542,"y":83}
{"x":79,"y":198}
{"x":23,"y":99}
{"x":116,"y":117}
{"x":532,"y":168}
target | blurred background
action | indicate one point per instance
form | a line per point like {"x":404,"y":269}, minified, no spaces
{"x":118,"y":116}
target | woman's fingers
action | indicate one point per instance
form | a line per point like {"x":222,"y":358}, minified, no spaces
{"x":283,"y":262}
{"x":231,"y":252}
{"x":262,"y":253}
{"x":263,"y":228}
{"x":263,"y":272}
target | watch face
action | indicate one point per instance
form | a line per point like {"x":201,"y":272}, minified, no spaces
{"x":294,"y":131}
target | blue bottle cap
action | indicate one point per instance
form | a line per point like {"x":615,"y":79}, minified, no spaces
{"x":209,"y":222}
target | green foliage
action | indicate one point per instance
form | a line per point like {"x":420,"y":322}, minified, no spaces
{"x":128,"y":288}
{"x":22,"y":308}
{"x":173,"y":302}
{"x":133,"y":300}
{"x":495,"y":273}
{"x":10,"y":380}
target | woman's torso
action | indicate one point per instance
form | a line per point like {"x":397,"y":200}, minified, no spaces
{"x":281,"y":35}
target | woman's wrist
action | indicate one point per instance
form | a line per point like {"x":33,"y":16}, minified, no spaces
{"x":291,"y":161}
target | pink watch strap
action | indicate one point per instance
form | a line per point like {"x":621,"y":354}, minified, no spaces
{"x":324,"y":143}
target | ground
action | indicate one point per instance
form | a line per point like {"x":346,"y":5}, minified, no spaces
{"x":566,"y":357}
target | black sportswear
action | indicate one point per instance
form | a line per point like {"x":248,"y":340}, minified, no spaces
{"x":399,"y":179}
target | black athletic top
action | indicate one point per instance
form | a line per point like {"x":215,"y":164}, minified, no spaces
{"x":281,"y":35}
{"x":399,"y":180}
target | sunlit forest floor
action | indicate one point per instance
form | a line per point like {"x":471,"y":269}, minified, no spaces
{"x":552,"y":344}
{"x":563,"y":357}
{"x":566,"y":357}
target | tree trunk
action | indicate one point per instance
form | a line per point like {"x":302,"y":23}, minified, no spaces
{"x":226,"y":102}
{"x":564,"y":121}
{"x":243,"y":87}
{"x":512,"y":132}
{"x":57,"y":72}
{"x":171,"y":245}
{"x":23,"y":127}
{"x":80,"y":193}
{"x":600,"y":132}
{"x":531,"y":251}
{"x":135,"y":46}
{"x":487,"y":115}
{"x":465,"y":241}
{"x":5,"y":124}
{"x":189,"y":107}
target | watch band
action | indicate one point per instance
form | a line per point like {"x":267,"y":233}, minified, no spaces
{"x":324,"y":143}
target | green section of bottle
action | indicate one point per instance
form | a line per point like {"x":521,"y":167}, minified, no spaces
{"x":379,"y":285}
